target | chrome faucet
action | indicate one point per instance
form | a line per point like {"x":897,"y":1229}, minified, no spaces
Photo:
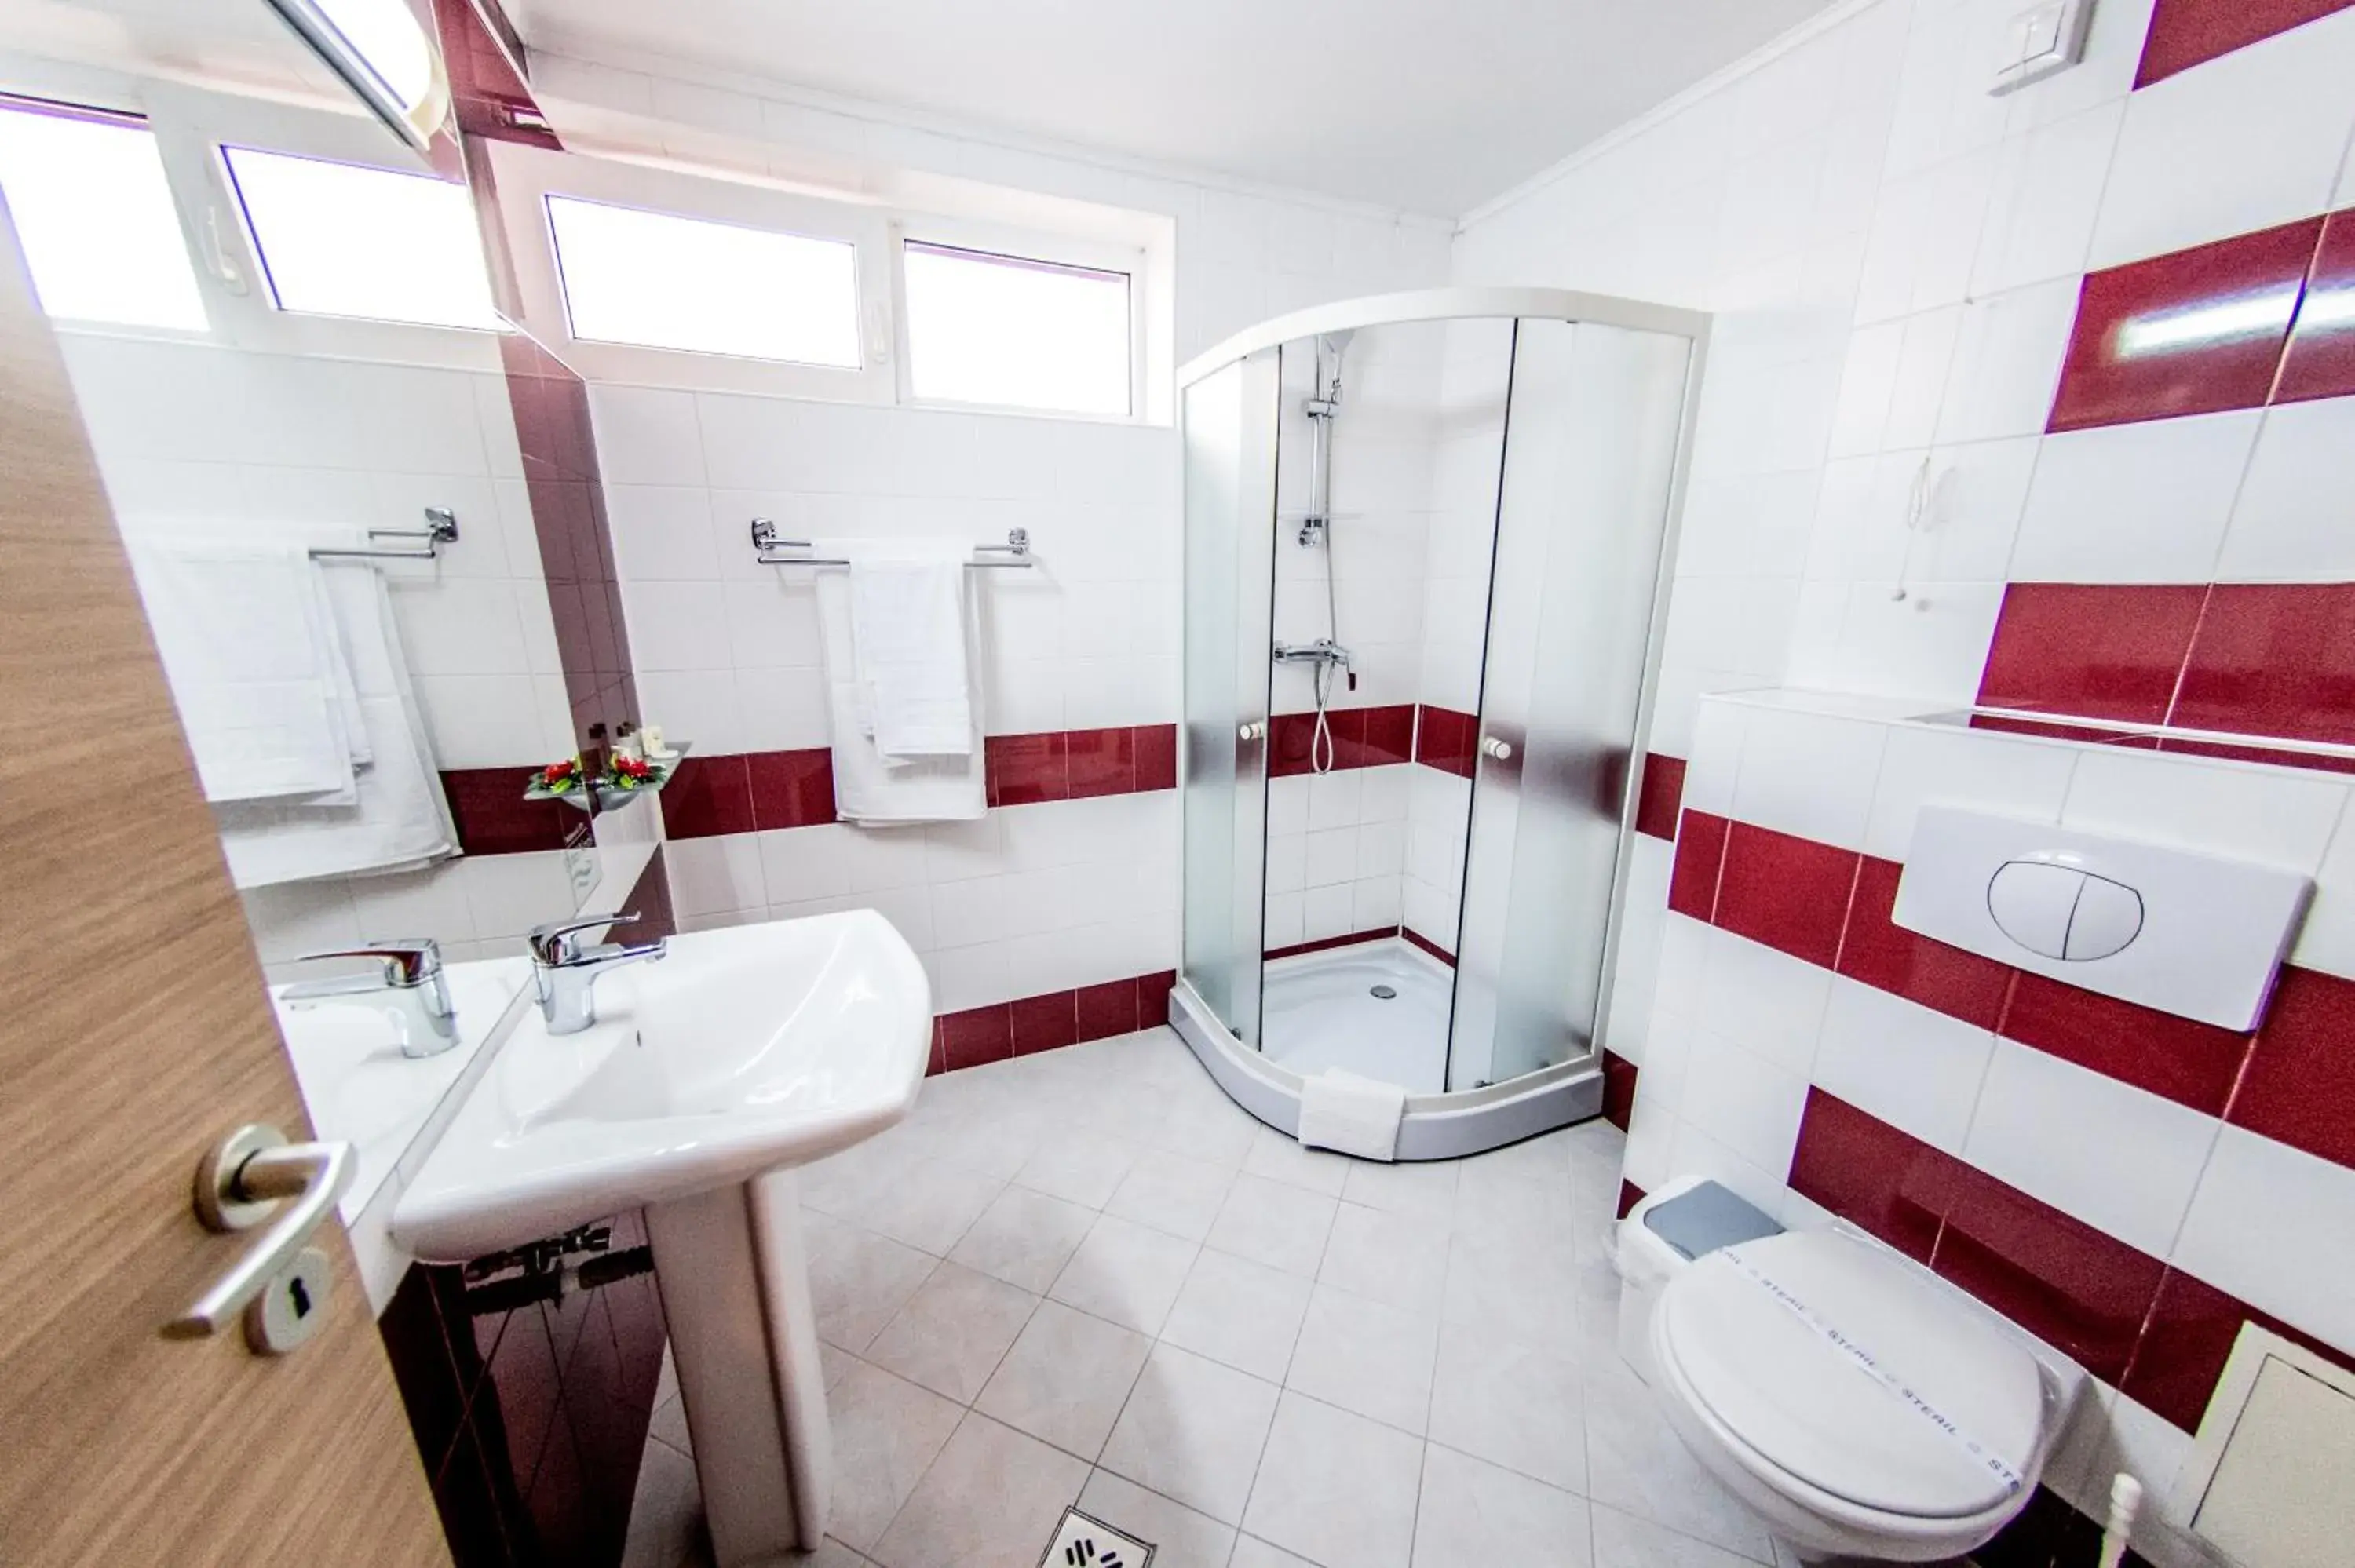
{"x":412,"y":985}
{"x":565,"y":972}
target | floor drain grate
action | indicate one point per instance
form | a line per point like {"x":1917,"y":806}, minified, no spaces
{"x":1385,"y":993}
{"x":1083,"y":1542}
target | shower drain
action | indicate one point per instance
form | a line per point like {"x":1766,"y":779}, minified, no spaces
{"x":1385,"y":993}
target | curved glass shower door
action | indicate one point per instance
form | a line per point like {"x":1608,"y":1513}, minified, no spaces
{"x":1229,"y":433}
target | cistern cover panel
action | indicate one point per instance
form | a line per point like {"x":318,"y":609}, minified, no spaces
{"x":1778,"y":1380}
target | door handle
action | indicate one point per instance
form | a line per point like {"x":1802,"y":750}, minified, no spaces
{"x":1502,"y":750}
{"x":253,"y":1175}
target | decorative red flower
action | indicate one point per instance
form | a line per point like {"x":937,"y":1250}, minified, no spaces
{"x":561,"y":776}
{"x":628,"y":771}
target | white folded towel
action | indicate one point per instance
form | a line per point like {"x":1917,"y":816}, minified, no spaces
{"x":908,"y":619}
{"x":868,"y":785}
{"x":249,"y":653}
{"x":1352,"y":1115}
{"x":398,"y":816}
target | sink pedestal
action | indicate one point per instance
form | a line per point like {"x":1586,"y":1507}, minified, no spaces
{"x":735,"y":1288}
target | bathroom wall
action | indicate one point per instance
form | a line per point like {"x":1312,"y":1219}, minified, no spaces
{"x":2039,"y":401}
{"x":203,"y":436}
{"x":1070,"y":883}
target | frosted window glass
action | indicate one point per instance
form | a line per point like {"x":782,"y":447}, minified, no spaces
{"x":343,"y":239}
{"x":95,"y":217}
{"x":667,"y":282}
{"x":385,"y":34}
{"x":993,"y":329}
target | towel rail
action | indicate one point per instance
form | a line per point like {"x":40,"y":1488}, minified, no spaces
{"x":441,"y":528}
{"x":765,"y":539}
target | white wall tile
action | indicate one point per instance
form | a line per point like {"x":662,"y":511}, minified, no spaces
{"x":2121,"y":1159}
{"x":1766,"y":1002}
{"x":1808,"y":775}
{"x":2272,"y":1224}
{"x":1915,"y":1069}
{"x":1920,"y":766}
{"x":2144,"y":502}
{"x":2290,"y":521}
{"x":2278,"y":816}
{"x":645,"y":436}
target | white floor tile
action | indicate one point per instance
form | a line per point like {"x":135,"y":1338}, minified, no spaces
{"x":1078,"y":1166}
{"x":858,"y":1281}
{"x":1066,"y":1379}
{"x":1625,"y":1541}
{"x":1399,"y":1258}
{"x":1282,"y":1158}
{"x":1366,"y":1358}
{"x":1193,"y":1431}
{"x":1126,"y":1274}
{"x":1270,"y":1223}
{"x":1024,"y":1237}
{"x":1511,"y":1405}
{"x":1238,"y":1312}
{"x":992,"y":1499}
{"x":886,"y":1433}
{"x":1474,"y":1515}
{"x":1637,"y":1464}
{"x":1172,"y":1192}
{"x":954,"y":1331}
{"x":1337,"y":1487}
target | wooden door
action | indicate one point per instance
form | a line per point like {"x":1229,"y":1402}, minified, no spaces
{"x":133,"y":1033}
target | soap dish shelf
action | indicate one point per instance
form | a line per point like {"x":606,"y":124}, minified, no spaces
{"x":601,"y":797}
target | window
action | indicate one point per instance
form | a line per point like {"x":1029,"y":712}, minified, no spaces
{"x":381,"y":51}
{"x":95,"y":217}
{"x":345,"y":239}
{"x":1017,"y":332}
{"x":661,"y":281}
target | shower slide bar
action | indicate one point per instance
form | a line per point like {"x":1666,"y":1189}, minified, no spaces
{"x":765,"y":539}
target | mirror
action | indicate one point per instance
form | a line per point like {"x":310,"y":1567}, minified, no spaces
{"x":311,"y":423}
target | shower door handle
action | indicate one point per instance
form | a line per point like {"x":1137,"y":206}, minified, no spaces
{"x":1256,"y":730}
{"x":1502,"y":750}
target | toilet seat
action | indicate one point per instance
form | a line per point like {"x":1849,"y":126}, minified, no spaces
{"x":1820,"y":1439}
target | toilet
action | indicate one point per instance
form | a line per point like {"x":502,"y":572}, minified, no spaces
{"x":1859,"y":1406}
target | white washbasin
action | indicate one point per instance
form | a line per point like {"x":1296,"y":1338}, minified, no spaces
{"x":745,"y":1051}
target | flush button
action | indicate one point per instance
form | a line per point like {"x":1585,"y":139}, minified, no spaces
{"x":2062,"y":912}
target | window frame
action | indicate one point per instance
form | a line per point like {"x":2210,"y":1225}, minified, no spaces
{"x":526,"y":176}
{"x":1021,"y":245}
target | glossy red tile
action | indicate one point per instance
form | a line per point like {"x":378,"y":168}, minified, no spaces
{"x":939,"y":1059}
{"x":2273,"y":659}
{"x":1100,"y":762}
{"x":2065,"y":1282}
{"x":1877,"y":951}
{"x":1323,"y":944}
{"x":1618,"y":1089}
{"x":1872,"y":1175}
{"x":1157,"y":756}
{"x":2185,"y":33}
{"x":493,"y":817}
{"x":1291,"y":740}
{"x":1629,"y":1196}
{"x":1700,"y":856}
{"x":1025,"y":770}
{"x":978,"y":1034}
{"x":1428,"y":946}
{"x":1790,"y":892}
{"x":2189,"y":332}
{"x":1101,"y":1011}
{"x":2185,"y":1344}
{"x":1661,"y":797}
{"x":1153,"y":998}
{"x":2191,"y":1062}
{"x":1046,"y":1022}
{"x":2099,"y":652}
{"x":1348,"y":728}
{"x":1388,"y":734}
{"x":1446,"y":739}
{"x":2321,"y":361}
{"x":2298,"y":1087}
{"x":708,"y":796}
{"x":791,"y":789}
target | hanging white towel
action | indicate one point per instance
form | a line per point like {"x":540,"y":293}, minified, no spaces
{"x":869,"y":787}
{"x":248,"y":651}
{"x":399,"y":818}
{"x":1352,"y":1115}
{"x":908,"y":618}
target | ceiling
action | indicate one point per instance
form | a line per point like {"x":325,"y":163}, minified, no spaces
{"x":1432,"y":106}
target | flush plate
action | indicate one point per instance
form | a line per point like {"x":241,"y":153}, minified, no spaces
{"x":2196,"y":934}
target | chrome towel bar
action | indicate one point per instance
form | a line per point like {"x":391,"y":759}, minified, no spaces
{"x":765,"y":539}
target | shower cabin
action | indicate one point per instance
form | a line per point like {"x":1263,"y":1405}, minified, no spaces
{"x":1424,"y":558}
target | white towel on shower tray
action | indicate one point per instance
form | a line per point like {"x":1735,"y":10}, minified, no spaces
{"x":1352,"y":1115}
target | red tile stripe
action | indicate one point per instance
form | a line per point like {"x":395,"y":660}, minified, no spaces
{"x":2154,"y":1332}
{"x":1428,"y":946}
{"x":1325,"y":944}
{"x":2237,"y":322}
{"x":1362,"y":738}
{"x":2185,"y":33}
{"x":1629,"y":1196}
{"x":1618,"y":1089}
{"x":2271,"y":658}
{"x":1661,"y":797}
{"x":743,"y":792}
{"x":493,"y":817}
{"x":1048,"y":1022}
{"x":1447,"y":740}
{"x":2292,"y":1080}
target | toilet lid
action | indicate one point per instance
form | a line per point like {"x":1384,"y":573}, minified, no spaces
{"x":1767,"y":1335}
